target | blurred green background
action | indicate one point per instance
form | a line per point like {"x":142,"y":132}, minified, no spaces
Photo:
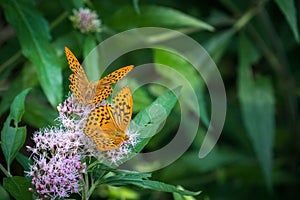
{"x":255,"y":44}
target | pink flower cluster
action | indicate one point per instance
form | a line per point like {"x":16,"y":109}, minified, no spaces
{"x":60,"y":152}
{"x":58,"y":167}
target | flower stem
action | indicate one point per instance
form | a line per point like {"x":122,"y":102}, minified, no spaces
{"x":85,"y":193}
{"x":93,"y":186}
{"x":99,"y":179}
{"x":5,"y":171}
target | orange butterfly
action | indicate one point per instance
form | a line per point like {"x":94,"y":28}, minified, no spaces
{"x":107,"y":124}
{"x":89,"y":92}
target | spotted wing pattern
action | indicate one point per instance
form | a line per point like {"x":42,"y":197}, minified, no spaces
{"x":103,"y":87}
{"x":107,"y":124}
{"x":122,"y":109}
{"x":79,"y":82}
{"x":115,"y":76}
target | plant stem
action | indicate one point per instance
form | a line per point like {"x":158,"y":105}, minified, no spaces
{"x":245,"y":19}
{"x":58,"y":20}
{"x":85,"y":195}
{"x":5,"y":171}
{"x":93,"y":186}
{"x":11,"y":60}
{"x":98,"y":181}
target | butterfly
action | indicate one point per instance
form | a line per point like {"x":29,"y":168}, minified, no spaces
{"x":89,"y":92}
{"x":107,"y":124}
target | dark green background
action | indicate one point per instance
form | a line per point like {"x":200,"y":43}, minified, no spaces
{"x":255,"y":45}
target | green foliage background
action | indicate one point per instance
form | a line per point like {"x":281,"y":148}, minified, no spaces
{"x":255,"y":44}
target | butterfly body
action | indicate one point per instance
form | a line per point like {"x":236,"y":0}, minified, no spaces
{"x":90,"y":92}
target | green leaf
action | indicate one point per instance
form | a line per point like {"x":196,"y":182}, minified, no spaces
{"x":24,"y":161}
{"x":190,"y":74}
{"x":12,"y":136}
{"x":17,"y":107}
{"x":152,"y":185}
{"x":157,"y":16}
{"x":288,"y":9}
{"x":18,"y":187}
{"x":178,"y":196}
{"x":3,"y":194}
{"x":218,"y":44}
{"x":141,"y":97}
{"x":150,"y":118}
{"x":125,"y":177}
{"x":257,"y":105}
{"x":27,"y":78}
{"x":159,"y":186}
{"x":33,"y":33}
{"x":35,"y":114}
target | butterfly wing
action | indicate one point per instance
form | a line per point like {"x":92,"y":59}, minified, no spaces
{"x":102,"y":92}
{"x":97,"y":117}
{"x":103,"y":87}
{"x":79,"y":81}
{"x":105,"y":143}
{"x":122,"y":108}
{"x":101,"y":127}
{"x":107,"y":124}
{"x":116,"y":75}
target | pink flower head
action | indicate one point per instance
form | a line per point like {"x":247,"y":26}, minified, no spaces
{"x":58,"y":168}
{"x":85,"y":20}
